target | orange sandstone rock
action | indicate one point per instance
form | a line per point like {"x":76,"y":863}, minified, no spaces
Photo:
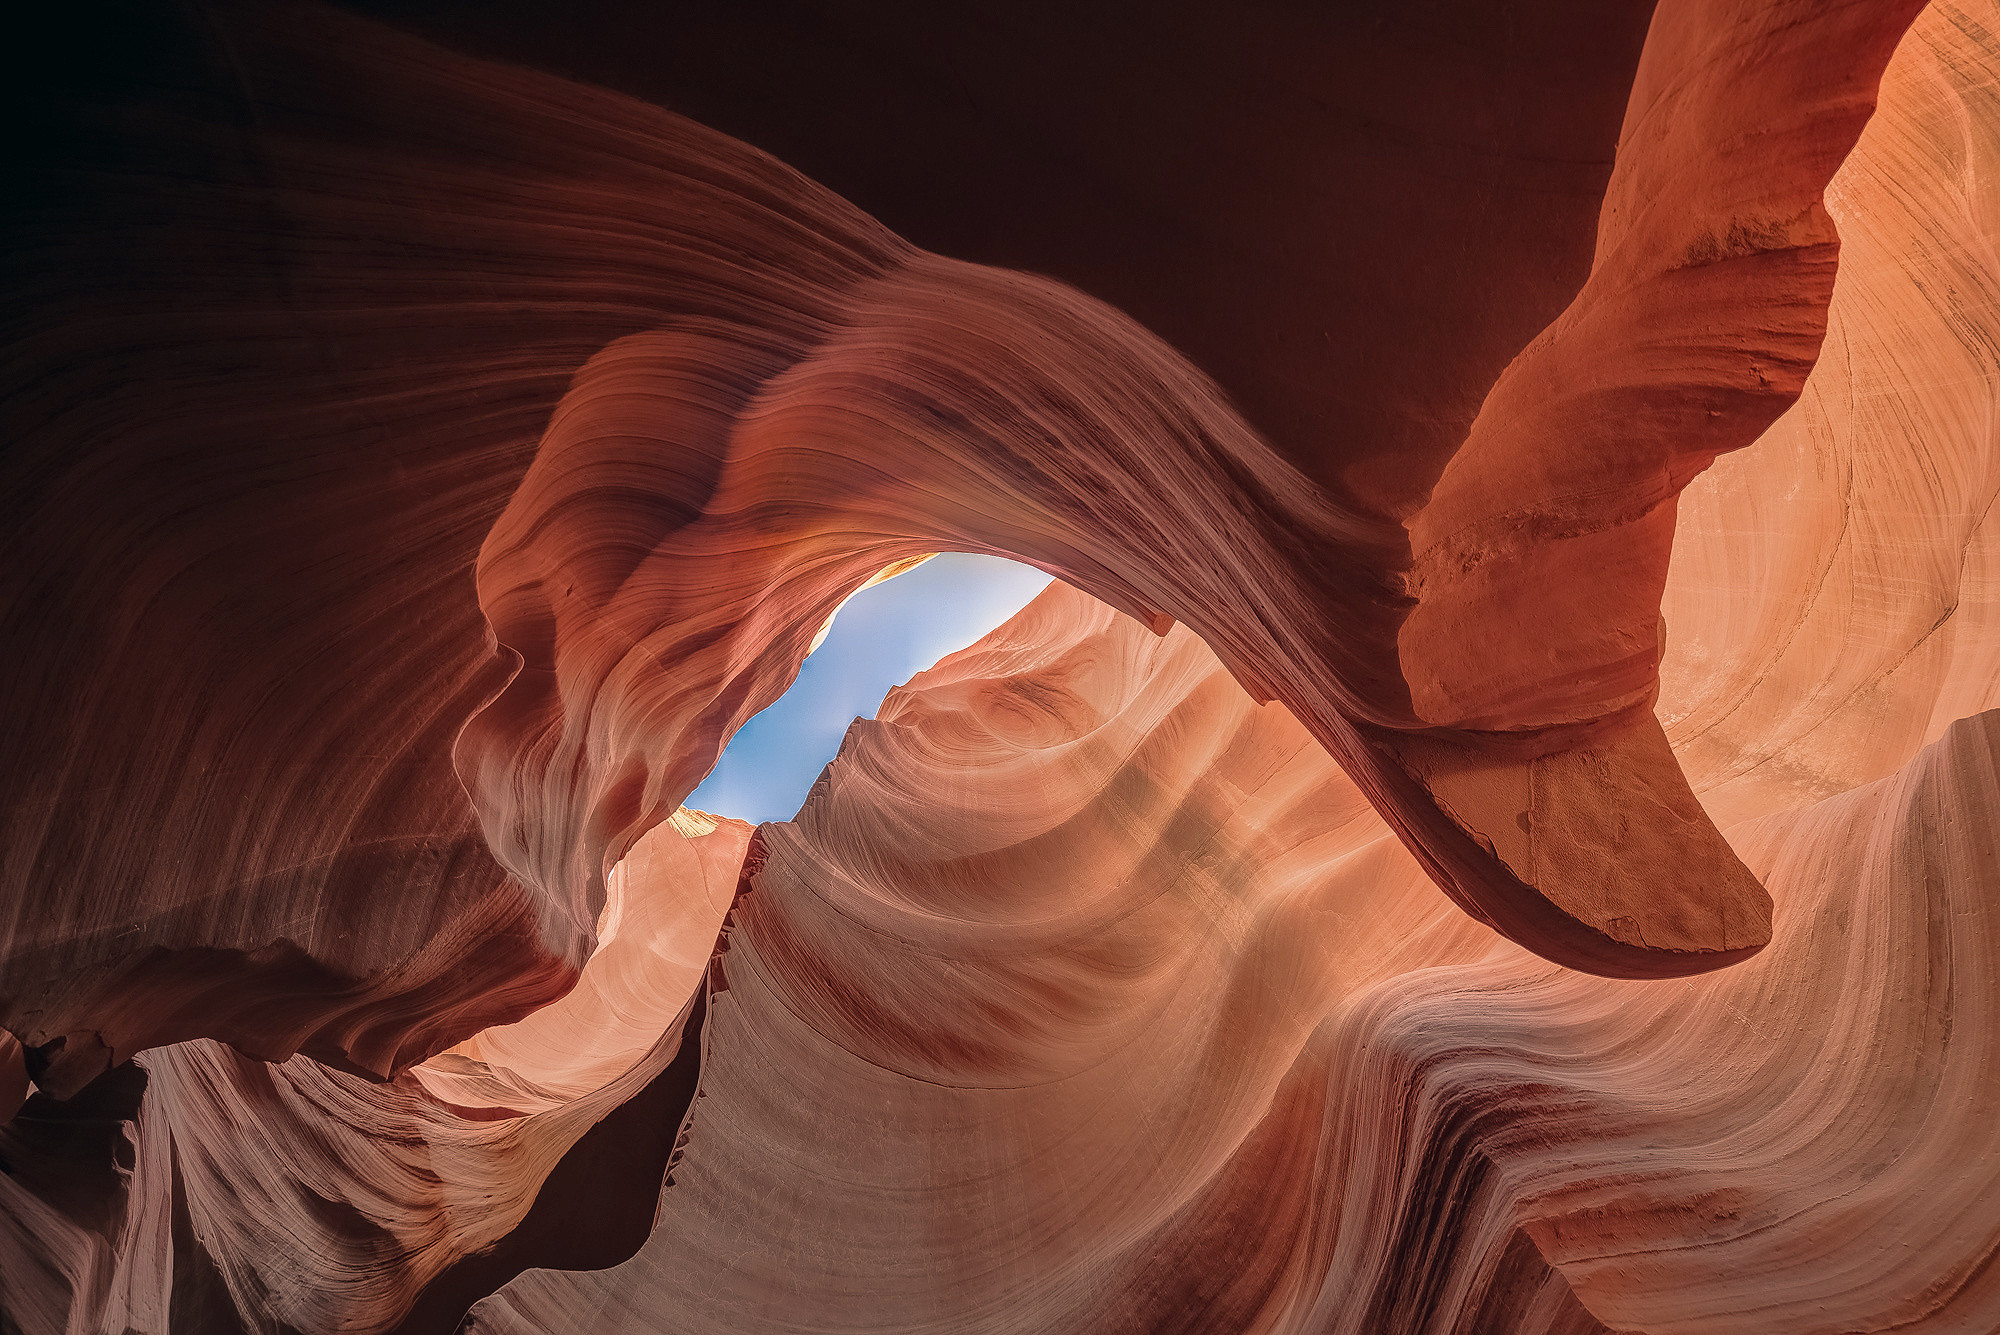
{"x":245,"y":635}
{"x":483,"y":449}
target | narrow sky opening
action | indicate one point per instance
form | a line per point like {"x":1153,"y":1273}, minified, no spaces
{"x":883,"y":636}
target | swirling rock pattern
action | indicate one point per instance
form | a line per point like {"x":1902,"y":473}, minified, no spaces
{"x":1859,"y":535}
{"x":941,"y":405}
{"x":1177,"y":1038}
{"x":1478,"y":1142}
{"x":487,"y":448}
{"x":348,"y":275}
{"x":254,"y":1196}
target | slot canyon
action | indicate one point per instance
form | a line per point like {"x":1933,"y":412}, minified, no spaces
{"x":1490,"y":827}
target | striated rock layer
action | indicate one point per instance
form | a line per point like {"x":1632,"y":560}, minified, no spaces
{"x":1125,"y":1013}
{"x":344,"y":278}
{"x":486,"y":449}
{"x":1832,"y":605}
{"x":707,"y":493}
{"x":1150,"y":1027}
{"x":197,"y":1189}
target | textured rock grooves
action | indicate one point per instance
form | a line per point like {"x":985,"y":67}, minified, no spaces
{"x":421,"y":467}
{"x":707,"y":493}
{"x":1177,"y":1038}
{"x":294,"y":1197}
{"x":344,"y":279}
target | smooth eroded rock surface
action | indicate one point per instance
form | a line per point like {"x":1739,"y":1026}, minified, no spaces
{"x":1298,"y":919}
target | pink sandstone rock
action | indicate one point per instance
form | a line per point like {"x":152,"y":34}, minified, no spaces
{"x":425,"y":465}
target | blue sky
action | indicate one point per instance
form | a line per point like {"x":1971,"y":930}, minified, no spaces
{"x":882,"y":638}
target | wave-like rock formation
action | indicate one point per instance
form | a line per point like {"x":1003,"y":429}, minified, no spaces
{"x":420,"y":467}
{"x":1173,"y":1036}
{"x":707,"y":493}
{"x":344,"y":279}
{"x":230,"y":1193}
{"x":1832,"y":606}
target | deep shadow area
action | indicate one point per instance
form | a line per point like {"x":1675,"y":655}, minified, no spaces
{"x":595,"y":1209}
{"x":1240,"y":178}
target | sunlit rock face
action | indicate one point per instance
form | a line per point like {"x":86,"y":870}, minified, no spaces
{"x":423,"y":466}
{"x":290,"y":1196}
{"x":1177,"y":1037}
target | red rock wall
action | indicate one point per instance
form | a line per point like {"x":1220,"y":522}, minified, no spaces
{"x":945,"y":406}
{"x":422,"y":466}
{"x":1178,"y":1038}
